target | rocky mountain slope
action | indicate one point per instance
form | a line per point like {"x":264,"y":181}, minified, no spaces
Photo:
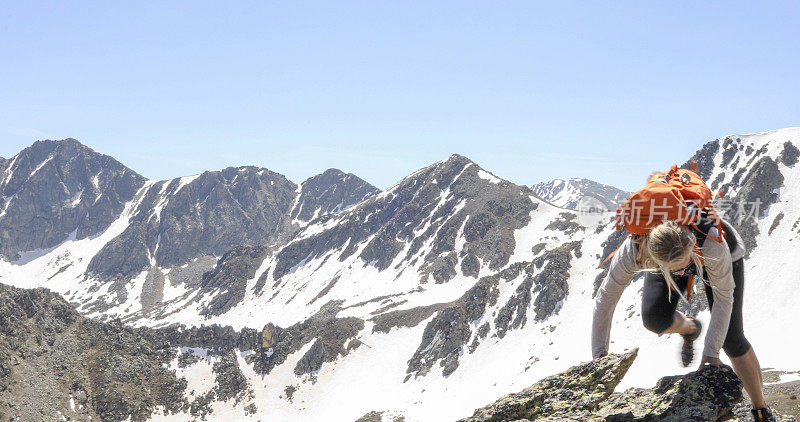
{"x":451,"y":284}
{"x":580,"y":193}
{"x":58,"y":190}
{"x":54,"y":364}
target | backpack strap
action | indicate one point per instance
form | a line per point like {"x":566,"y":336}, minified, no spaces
{"x":689,"y":285}
{"x":709,"y":219}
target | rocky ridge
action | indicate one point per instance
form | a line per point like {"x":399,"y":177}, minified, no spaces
{"x":586,"y":393}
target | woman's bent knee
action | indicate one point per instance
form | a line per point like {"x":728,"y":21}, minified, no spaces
{"x":657,"y":322}
{"x":736,"y":346}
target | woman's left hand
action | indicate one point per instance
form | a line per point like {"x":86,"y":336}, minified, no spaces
{"x":708,"y":360}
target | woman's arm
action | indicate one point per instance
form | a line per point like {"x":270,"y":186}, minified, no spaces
{"x":620,"y":272}
{"x":717,"y":260}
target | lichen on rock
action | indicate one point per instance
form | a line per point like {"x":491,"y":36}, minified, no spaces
{"x":586,"y":393}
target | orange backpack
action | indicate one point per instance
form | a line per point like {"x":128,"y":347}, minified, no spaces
{"x":677,"y":194}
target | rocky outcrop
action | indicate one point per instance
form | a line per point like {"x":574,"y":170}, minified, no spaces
{"x":789,"y":154}
{"x":381,"y":416}
{"x":564,"y":224}
{"x":230,"y":382}
{"x":404,"y":317}
{"x":51,"y":356}
{"x":222,"y":339}
{"x":753,"y":197}
{"x":585,"y":393}
{"x":449,"y":331}
{"x":229,"y":278}
{"x":705,"y":159}
{"x":329,"y":333}
{"x":545,"y":284}
{"x":709,"y":394}
{"x":550,"y":284}
{"x":571,"y":395}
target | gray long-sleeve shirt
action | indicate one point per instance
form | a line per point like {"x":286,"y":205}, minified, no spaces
{"x":717,"y":259}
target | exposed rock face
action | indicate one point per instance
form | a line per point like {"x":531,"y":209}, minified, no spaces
{"x":229,"y":278}
{"x":756,"y":194}
{"x":585,"y":393}
{"x":405,"y":317}
{"x":49,"y":354}
{"x":789,"y":155}
{"x":446,"y":336}
{"x":220,"y":338}
{"x":551,"y":283}
{"x":211,"y":214}
{"x":330,"y":192}
{"x":752,"y":177}
{"x":564,"y":224}
{"x":329,"y":333}
{"x":709,"y":394}
{"x":705,"y":159}
{"x":382,"y":416}
{"x":549,"y":286}
{"x":571,"y":395}
{"x":450,"y":329}
{"x":231,"y":383}
{"x":54,"y":189}
{"x":432,"y":205}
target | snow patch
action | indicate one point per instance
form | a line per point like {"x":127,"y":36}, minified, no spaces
{"x":488,"y":176}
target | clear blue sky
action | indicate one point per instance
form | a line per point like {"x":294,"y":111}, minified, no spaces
{"x":530,"y":91}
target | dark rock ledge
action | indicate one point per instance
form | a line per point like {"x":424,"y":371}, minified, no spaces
{"x":586,"y":393}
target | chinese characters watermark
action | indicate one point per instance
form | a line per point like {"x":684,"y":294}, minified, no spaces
{"x":636,"y":211}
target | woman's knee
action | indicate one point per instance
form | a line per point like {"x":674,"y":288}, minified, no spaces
{"x":657,"y":322}
{"x":736,"y":345}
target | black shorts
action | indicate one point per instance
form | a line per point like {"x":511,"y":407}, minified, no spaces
{"x":658,"y":309}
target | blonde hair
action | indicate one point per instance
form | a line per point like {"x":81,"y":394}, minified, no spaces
{"x":664,"y":245}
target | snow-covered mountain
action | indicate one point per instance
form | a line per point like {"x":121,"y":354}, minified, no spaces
{"x":106,"y":225}
{"x":452,"y":284}
{"x":576,"y":193}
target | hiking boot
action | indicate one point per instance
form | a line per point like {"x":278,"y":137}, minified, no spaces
{"x":687,"y":351}
{"x":763,"y":415}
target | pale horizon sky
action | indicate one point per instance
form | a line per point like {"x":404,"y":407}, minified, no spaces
{"x":529,"y":91}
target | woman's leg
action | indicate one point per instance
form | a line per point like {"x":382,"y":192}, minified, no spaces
{"x":736,"y":346}
{"x":681,"y":324}
{"x":749,"y":371}
{"x":658,"y":306}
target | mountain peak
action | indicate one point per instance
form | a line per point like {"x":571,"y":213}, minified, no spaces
{"x":333,"y":172}
{"x":50,"y":189}
{"x":329,"y":192}
{"x":457,"y":158}
{"x":569,"y":193}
